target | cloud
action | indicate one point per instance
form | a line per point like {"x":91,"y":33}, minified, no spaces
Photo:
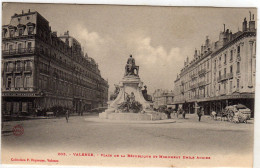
{"x":158,"y":67}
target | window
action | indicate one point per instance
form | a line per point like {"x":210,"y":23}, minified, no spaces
{"x":225,"y":71}
{"x":19,"y":47}
{"x":12,"y":33}
{"x":18,"y":66}
{"x":238,"y":67}
{"x":10,"y":47}
{"x":230,"y":86}
{"x":27,"y":65}
{"x":24,"y":107}
{"x":238,"y":49}
{"x":231,"y":55}
{"x":27,"y":81}
{"x":225,"y":58}
{"x":219,"y":74}
{"x":231,"y":69}
{"x":28,"y":17}
{"x":237,"y":83}
{"x":30,"y":30}
{"x":18,"y":82}
{"x":20,"y":32}
{"x":215,"y":65}
{"x":219,"y":60}
{"x":9,"y":82}
{"x":4,"y":33}
{"x":29,"y":46}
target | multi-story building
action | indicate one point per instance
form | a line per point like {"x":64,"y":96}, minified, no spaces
{"x":162,"y":97}
{"x":42,"y":70}
{"x":222,"y":73}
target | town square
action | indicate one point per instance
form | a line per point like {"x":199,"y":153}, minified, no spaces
{"x":108,"y":85}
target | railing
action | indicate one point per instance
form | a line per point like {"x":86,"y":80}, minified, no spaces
{"x":194,"y":86}
{"x":202,"y":72}
{"x":230,"y":75}
{"x":193,"y":75}
{"x":223,"y":77}
{"x":202,"y":83}
{"x":29,"y":89}
{"x":28,"y":69}
{"x":18,"y":69}
{"x":19,"y":51}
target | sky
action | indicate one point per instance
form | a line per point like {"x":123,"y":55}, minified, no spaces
{"x":159,"y":38}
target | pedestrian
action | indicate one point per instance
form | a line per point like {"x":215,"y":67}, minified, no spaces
{"x":183,"y":114}
{"x":67,"y":115}
{"x":200,"y":113}
{"x":36,"y":112}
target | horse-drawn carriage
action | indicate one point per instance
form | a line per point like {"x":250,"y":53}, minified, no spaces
{"x":236,"y":113}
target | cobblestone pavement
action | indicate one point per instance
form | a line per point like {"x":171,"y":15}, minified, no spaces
{"x":90,"y":134}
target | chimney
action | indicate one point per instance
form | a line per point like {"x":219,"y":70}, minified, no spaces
{"x":251,"y":24}
{"x":207,"y":41}
{"x":187,"y":60}
{"x":224,"y":27}
{"x":195,"y":54}
{"x":244,"y":25}
{"x":227,"y":31}
{"x":202,"y":49}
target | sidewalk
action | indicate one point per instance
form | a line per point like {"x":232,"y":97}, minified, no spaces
{"x":21,"y":118}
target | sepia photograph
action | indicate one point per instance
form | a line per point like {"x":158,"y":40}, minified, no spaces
{"x":127,"y":85}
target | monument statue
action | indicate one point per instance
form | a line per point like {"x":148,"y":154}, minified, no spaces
{"x":131,"y":67}
{"x":129,"y":102}
{"x":116,"y":92}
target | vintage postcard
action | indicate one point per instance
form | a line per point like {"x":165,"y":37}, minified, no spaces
{"x":118,"y":85}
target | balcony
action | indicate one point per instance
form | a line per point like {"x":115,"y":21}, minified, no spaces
{"x":18,"y":70}
{"x":223,"y":77}
{"x":18,"y":89}
{"x":28,"y":69}
{"x":202,"y":72}
{"x":222,"y":92}
{"x":203,"y":83}
{"x":194,"y":86}
{"x":230,"y":75}
{"x":193,"y":76}
{"x":9,"y":70}
{"x":20,"y":51}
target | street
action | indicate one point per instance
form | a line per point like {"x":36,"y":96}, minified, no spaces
{"x":89,"y":134}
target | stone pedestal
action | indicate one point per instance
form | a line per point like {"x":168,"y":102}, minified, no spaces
{"x":128,"y":85}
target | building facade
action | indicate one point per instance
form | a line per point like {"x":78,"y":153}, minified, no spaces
{"x":42,"y":70}
{"x":221,"y":73}
{"x":162,"y":97}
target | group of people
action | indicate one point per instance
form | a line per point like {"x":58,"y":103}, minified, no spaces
{"x":181,"y":111}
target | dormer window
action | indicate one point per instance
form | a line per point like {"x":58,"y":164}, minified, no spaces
{"x":4,"y":33}
{"x":20,"y":32}
{"x":30,"y":30}
{"x":12,"y":33}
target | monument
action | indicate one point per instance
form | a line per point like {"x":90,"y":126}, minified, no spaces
{"x":129,"y":103}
